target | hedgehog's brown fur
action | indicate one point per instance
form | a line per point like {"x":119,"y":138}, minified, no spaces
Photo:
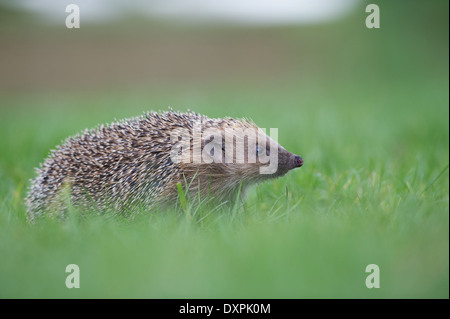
{"x":127,"y":164}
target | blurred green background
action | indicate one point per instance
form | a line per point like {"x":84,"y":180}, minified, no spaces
{"x":367,"y":109}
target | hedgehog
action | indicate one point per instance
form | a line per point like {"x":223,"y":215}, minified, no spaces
{"x":141,"y":162}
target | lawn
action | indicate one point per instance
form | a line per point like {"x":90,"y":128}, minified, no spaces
{"x":366,"y":109}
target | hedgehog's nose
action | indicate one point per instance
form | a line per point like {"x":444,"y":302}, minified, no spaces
{"x":298,"y":161}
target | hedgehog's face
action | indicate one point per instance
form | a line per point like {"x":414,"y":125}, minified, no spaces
{"x":216,"y":159}
{"x":272,"y":160}
{"x":249,"y":154}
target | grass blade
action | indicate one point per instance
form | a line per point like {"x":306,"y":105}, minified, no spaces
{"x":182,"y":196}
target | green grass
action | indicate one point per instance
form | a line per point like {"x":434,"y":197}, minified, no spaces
{"x":372,"y":127}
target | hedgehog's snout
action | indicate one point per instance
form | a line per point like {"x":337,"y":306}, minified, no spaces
{"x":287,"y":161}
{"x":298,"y":161}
